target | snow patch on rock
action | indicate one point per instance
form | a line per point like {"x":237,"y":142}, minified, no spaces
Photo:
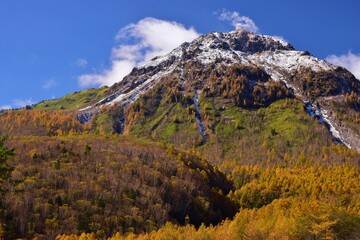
{"x":201,"y":126}
{"x":324,"y":119}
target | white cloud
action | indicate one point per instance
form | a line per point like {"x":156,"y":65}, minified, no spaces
{"x":119,"y":69}
{"x":22,"y":103}
{"x":138,"y":43}
{"x":5,"y":107}
{"x":280,"y":38}
{"x":350,"y":61}
{"x":238,"y":21}
{"x":81,"y":62}
{"x":18,"y":103}
{"x":127,"y":52}
{"x":49,"y":84}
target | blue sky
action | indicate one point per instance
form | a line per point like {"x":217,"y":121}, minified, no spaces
{"x":49,"y":48}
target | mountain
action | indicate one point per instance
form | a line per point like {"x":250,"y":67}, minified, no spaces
{"x":263,"y":60}
{"x":233,"y":135}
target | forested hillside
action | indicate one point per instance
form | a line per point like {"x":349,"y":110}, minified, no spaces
{"x":70,"y":178}
{"x":317,"y":202}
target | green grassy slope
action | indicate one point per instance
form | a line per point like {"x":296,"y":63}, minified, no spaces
{"x":74,"y":100}
{"x":278,"y":134}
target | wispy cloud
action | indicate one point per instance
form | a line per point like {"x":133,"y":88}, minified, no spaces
{"x":5,"y":107}
{"x":81,"y":62}
{"x":49,"y":84}
{"x":238,"y":21}
{"x":350,"y":61}
{"x":19,"y":103}
{"x":280,"y":38}
{"x":148,"y":38}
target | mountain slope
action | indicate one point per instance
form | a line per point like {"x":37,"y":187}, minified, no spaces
{"x":261,"y":60}
{"x":73,"y":101}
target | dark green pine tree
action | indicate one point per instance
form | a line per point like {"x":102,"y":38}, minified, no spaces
{"x":5,"y":170}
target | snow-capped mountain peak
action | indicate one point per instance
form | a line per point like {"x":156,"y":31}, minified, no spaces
{"x":298,"y":70}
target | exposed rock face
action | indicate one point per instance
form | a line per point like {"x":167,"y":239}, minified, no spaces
{"x":309,"y":78}
{"x":246,"y":42}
